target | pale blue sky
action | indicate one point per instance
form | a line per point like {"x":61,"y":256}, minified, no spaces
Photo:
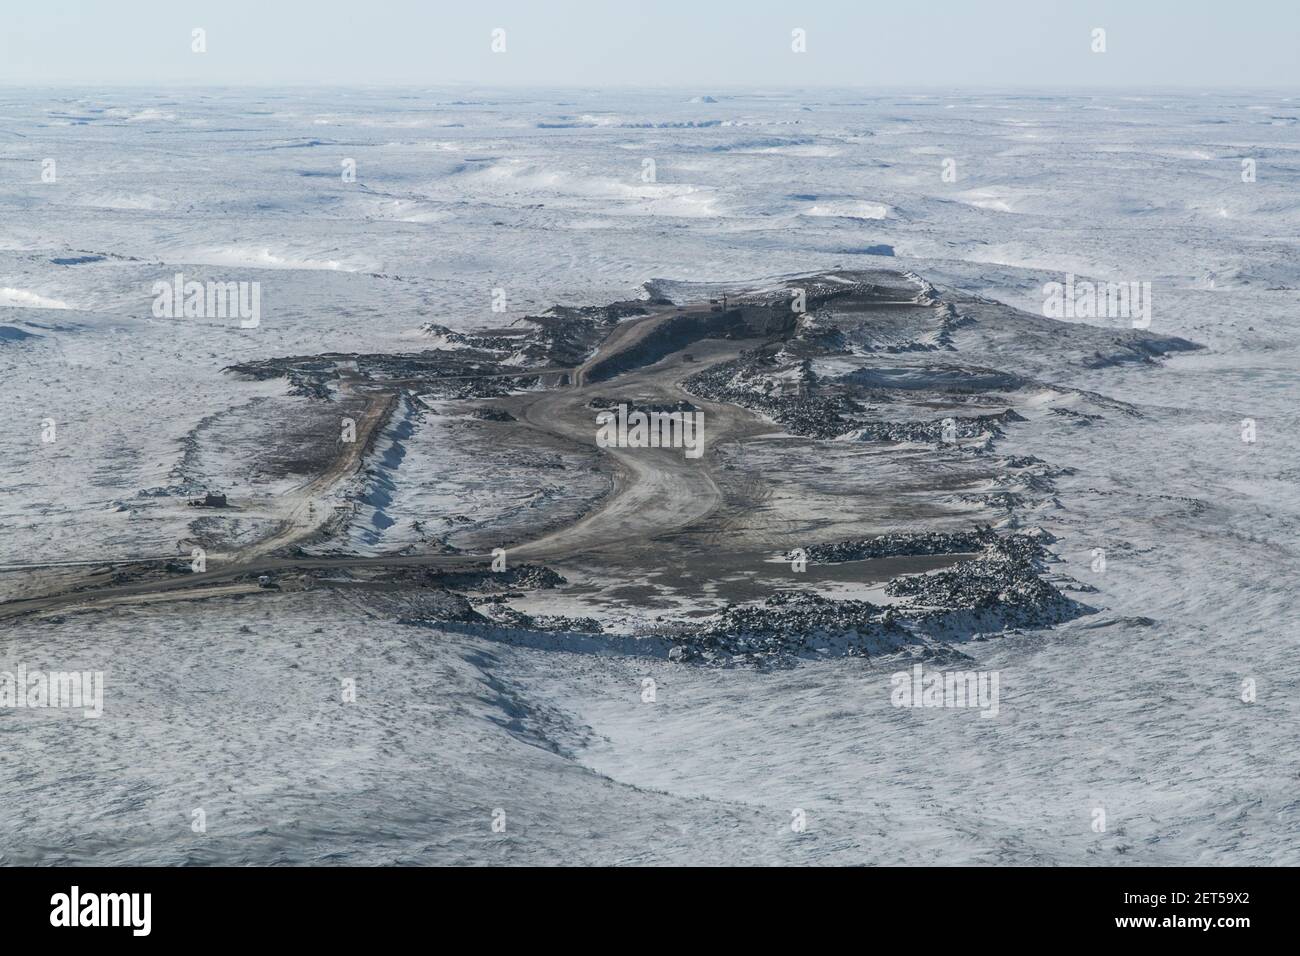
{"x":689,"y":43}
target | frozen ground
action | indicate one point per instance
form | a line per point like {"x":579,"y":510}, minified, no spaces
{"x":1136,"y":710}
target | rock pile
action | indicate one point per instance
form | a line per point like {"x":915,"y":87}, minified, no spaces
{"x":983,"y":427}
{"x":510,"y":617}
{"x":522,"y":577}
{"x":897,"y":544}
{"x":750,"y":384}
{"x":440,"y":605}
{"x":786,"y":627}
{"x":1002,"y":587}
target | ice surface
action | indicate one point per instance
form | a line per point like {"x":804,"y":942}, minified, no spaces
{"x":1136,"y":710}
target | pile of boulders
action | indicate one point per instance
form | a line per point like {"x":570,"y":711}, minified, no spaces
{"x":897,"y":544}
{"x":750,"y":384}
{"x":437,"y":604}
{"x":786,"y":627}
{"x":1003,"y":586}
{"x":794,"y":397}
{"x":977,"y":427}
{"x":510,"y":617}
{"x":813,"y":417}
{"x":1000,"y":587}
{"x":521,"y":577}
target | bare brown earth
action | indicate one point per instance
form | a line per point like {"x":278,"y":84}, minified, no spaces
{"x":704,"y":527}
{"x":657,"y":494}
{"x":656,"y":491}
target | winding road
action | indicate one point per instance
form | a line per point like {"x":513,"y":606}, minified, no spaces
{"x":656,"y":492}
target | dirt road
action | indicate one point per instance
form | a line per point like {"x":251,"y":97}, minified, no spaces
{"x":657,"y":491}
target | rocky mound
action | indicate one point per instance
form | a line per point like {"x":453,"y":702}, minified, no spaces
{"x":522,"y":577}
{"x":1000,"y":588}
{"x":787,"y":627}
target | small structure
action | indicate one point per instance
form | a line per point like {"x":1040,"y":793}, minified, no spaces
{"x":213,"y":499}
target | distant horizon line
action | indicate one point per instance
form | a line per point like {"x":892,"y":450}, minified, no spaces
{"x":698,"y":88}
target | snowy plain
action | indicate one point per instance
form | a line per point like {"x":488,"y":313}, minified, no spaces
{"x":233,"y":705}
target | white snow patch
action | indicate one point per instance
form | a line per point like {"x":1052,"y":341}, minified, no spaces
{"x":21,"y":298}
{"x":850,"y":209}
